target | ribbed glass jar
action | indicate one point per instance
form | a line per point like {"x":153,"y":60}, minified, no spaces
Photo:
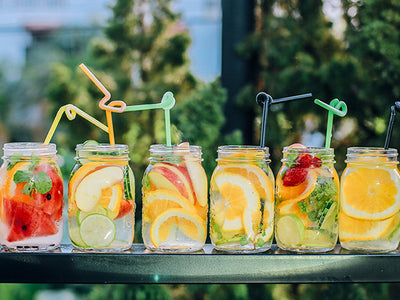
{"x":307,"y":190}
{"x":370,"y":200}
{"x":242,"y":200}
{"x":101,"y":198}
{"x":175,"y":202}
{"x":31,"y":198}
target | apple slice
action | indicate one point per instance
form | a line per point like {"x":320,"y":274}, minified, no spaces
{"x":171,"y":177}
{"x":89,"y":191}
{"x":199,"y":181}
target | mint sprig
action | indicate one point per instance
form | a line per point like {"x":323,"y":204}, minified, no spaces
{"x":41,"y":182}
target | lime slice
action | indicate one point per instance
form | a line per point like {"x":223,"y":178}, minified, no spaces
{"x":317,"y":238}
{"x":97,"y":231}
{"x":90,"y":143}
{"x":75,"y":237}
{"x":289,"y":230}
{"x":330,"y":218}
{"x":80,"y":215}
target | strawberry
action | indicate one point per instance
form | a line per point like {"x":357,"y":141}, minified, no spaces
{"x":294,"y":176}
{"x":316,"y":162}
{"x":304,"y":161}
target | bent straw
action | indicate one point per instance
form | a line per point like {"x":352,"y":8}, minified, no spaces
{"x":71,"y":111}
{"x":167,"y":103}
{"x":393,"y":109}
{"x":265,"y":101}
{"x":114,"y":106}
{"x":336,"y":107}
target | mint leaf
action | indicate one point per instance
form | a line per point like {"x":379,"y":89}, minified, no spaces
{"x":244,"y":241}
{"x":217,"y":230}
{"x":34,"y":162}
{"x":42,"y":182}
{"x":22,"y":176}
{"x":146,"y":183}
{"x":259,"y":243}
{"x":28,"y":188}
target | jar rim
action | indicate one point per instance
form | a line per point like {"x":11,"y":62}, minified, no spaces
{"x":242,"y":148}
{"x":101,"y":147}
{"x":162,"y":149}
{"x":29,"y":148}
{"x":327,"y":155}
{"x":371,"y":154}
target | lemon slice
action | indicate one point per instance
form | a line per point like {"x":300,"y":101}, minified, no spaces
{"x":242,"y":202}
{"x":370,"y":193}
{"x":97,"y":231}
{"x":184,"y":220}
{"x":158,"y":201}
{"x":256,"y":175}
{"x":111,"y":199}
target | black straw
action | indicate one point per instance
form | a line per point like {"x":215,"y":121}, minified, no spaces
{"x":265,"y":101}
{"x":393,"y":109}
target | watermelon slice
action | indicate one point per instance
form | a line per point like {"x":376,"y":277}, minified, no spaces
{"x":25,"y":221}
{"x":51,"y":202}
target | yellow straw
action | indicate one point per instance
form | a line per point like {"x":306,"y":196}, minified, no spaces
{"x":71,"y":111}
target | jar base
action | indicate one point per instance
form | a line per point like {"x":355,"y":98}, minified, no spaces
{"x":31,"y":248}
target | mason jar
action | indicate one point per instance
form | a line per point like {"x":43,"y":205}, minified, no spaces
{"x":175,"y":202}
{"x":242,"y":200}
{"x":369,"y":218}
{"x":307,"y":200}
{"x":101,"y":198}
{"x":31,"y":198}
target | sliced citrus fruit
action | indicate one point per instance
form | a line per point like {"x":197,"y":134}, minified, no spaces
{"x":80,"y":215}
{"x":14,"y":190}
{"x":256,"y":175}
{"x":242,"y":202}
{"x":317,"y":238}
{"x":297,"y":192}
{"x":370,"y":193}
{"x":352,"y":229}
{"x":90,"y":190}
{"x":75,"y":237}
{"x":287,"y":208}
{"x":268,"y":220}
{"x":158,"y":201}
{"x":181,"y":219}
{"x":289,"y":230}
{"x":111,"y":199}
{"x":97,"y":231}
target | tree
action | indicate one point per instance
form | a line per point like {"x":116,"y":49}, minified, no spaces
{"x":296,"y":52}
{"x":373,"y":40}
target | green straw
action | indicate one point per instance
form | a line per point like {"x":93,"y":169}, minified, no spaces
{"x":167,"y":103}
{"x":335,"y":107}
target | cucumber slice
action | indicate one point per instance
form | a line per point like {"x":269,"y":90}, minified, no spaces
{"x":80,"y":215}
{"x":330,"y":218}
{"x":97,"y":231}
{"x":129,"y":184}
{"x":289,"y":230}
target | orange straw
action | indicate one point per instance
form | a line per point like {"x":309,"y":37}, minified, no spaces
{"x":114,"y":106}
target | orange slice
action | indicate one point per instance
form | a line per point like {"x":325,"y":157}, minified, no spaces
{"x":242,"y":203}
{"x":352,"y":229}
{"x":297,"y":192}
{"x":14,"y":190}
{"x":256,"y":175}
{"x":111,"y":198}
{"x":184,"y":220}
{"x":292,"y":208}
{"x":370,"y":193}
{"x":158,"y":201}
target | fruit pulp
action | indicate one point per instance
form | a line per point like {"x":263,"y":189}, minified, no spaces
{"x":242,"y":202}
{"x":31,"y":205}
{"x":369,"y":220}
{"x":101,"y":206}
{"x":307,"y":200}
{"x":175,"y":205}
